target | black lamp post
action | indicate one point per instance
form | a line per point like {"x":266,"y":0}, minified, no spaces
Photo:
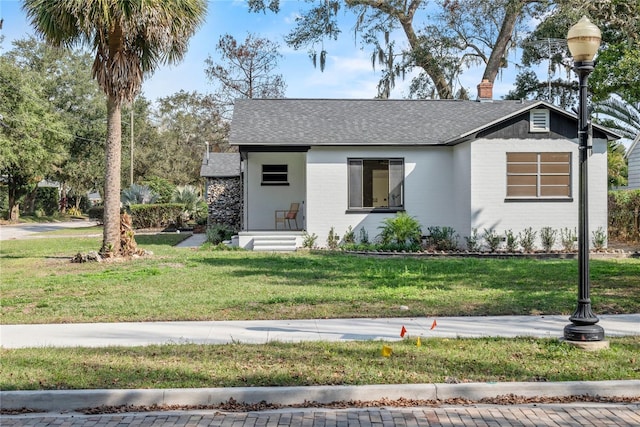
{"x":583,"y":40}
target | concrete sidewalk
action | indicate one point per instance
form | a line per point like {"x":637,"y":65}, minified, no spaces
{"x":218,"y":332}
{"x":262,"y":331}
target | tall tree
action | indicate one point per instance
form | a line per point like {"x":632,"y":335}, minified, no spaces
{"x":624,"y":118}
{"x":618,"y":61}
{"x":32,"y":134}
{"x":131,"y":39}
{"x":245,"y":70}
{"x":183,"y":124}
{"x":456,"y":34}
{"x":68,"y":87}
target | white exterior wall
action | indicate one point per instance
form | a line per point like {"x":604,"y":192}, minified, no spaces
{"x":462,"y":190}
{"x":634,"y":166}
{"x":428,"y":188}
{"x":261,"y":201}
{"x":489,"y":181}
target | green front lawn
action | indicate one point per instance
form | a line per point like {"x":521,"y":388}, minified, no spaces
{"x":40,"y":285}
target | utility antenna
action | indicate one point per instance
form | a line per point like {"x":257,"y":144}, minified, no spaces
{"x":552,"y":46}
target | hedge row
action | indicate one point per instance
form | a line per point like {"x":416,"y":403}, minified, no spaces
{"x":624,"y":215}
{"x":157,"y":215}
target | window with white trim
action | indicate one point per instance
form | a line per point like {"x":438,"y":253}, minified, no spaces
{"x":275,"y":174}
{"x":538,"y":175}
{"x":376,"y":183}
{"x":539,"y":120}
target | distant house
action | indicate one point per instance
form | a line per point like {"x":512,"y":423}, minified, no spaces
{"x":224,"y":188}
{"x":502,"y":165}
{"x":633,"y":159}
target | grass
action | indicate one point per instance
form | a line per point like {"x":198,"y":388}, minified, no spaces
{"x":40,"y":285}
{"x":313,"y":363}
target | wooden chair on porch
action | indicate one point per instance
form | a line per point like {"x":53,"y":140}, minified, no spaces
{"x":286,"y":216}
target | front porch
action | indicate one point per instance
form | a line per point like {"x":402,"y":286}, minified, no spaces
{"x":271,"y":241}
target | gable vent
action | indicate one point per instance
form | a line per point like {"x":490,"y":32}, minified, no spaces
{"x":539,"y":120}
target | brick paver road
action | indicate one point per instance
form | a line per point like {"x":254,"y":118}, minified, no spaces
{"x":588,"y":414}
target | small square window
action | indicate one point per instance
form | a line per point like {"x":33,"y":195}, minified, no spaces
{"x":275,"y":175}
{"x":539,"y":120}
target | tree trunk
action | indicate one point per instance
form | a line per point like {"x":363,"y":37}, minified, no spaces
{"x":512,"y":13}
{"x":14,"y":204}
{"x":113,"y":154}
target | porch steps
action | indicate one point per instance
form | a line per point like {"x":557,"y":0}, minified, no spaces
{"x":274,"y":243}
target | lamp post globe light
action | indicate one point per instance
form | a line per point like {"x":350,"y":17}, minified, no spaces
{"x":583,"y":40}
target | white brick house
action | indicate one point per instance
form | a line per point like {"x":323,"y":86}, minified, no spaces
{"x":505,"y":165}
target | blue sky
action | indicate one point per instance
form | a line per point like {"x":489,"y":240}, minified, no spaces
{"x":348,"y":73}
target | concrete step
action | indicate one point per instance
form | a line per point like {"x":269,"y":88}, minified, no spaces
{"x":274,"y":243}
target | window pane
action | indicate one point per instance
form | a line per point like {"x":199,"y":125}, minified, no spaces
{"x":355,"y":183}
{"x":396,"y":179}
{"x":555,"y":168}
{"x":522,"y":168}
{"x":561,"y":191}
{"x":555,"y":180}
{"x":274,"y":168}
{"x":522,"y":157}
{"x":555,"y":157}
{"x":522,"y":180}
{"x":521,"y":191}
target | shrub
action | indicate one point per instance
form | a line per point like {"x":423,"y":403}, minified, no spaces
{"x":527,"y":239}
{"x":442,"y":238}
{"x":309,"y":240}
{"x":568,"y":239}
{"x":511,"y":241}
{"x":155,"y":215}
{"x":333,"y":239}
{"x":492,"y":238}
{"x":189,"y":196}
{"x":624,"y":215}
{"x":137,"y":194}
{"x":218,"y":233}
{"x":473,"y":241}
{"x":402,"y":229}
{"x":547,"y":238}
{"x":363,"y":236}
{"x":599,"y":239}
{"x":96,"y":213}
{"x":349,"y":236}
{"x":162,"y":187}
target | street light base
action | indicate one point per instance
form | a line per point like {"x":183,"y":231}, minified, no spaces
{"x":587,"y":345}
{"x":583,"y":333}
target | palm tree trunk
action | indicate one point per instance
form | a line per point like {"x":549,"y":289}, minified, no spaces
{"x":113,"y":153}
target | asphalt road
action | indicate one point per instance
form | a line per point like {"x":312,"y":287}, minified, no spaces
{"x":32,"y":230}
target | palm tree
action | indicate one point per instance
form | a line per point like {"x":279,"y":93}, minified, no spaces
{"x":624,"y":118}
{"x":131,"y":39}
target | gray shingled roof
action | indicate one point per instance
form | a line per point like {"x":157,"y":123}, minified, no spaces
{"x":359,"y":122}
{"x":220,"y":165}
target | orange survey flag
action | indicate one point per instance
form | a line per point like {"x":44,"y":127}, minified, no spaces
{"x":386,"y":351}
{"x":403,"y":331}
{"x":434,"y":324}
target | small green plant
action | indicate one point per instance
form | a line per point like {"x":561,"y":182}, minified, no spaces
{"x":568,"y":239}
{"x":137,"y":195}
{"x":73,"y":211}
{"x":218,"y":233}
{"x":332,"y":239}
{"x":527,"y":239}
{"x":363,"y":236}
{"x":402,"y":229}
{"x":492,"y":238}
{"x":511,"y":241}
{"x":599,"y":239}
{"x":547,"y":238}
{"x":349,"y":236}
{"x":473,"y":241}
{"x":309,"y":240}
{"x":442,"y":238}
